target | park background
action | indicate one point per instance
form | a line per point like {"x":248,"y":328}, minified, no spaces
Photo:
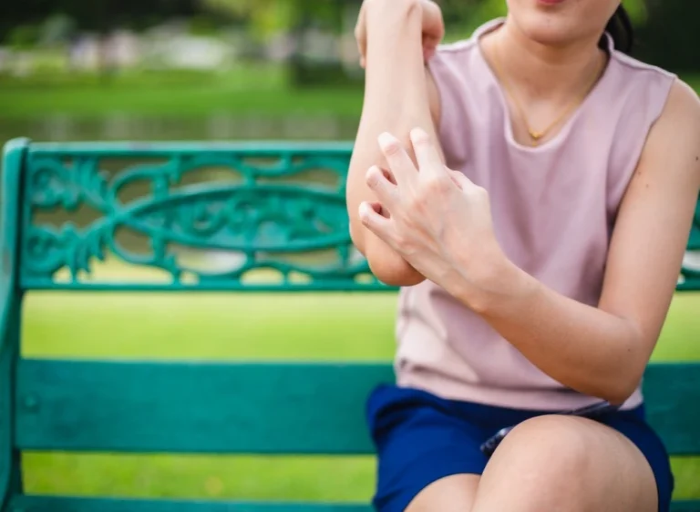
{"x":233,"y":70}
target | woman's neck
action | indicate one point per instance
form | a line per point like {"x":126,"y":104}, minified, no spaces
{"x":541,"y":71}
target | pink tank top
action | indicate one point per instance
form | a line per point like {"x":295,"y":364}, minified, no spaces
{"x":554,"y":209}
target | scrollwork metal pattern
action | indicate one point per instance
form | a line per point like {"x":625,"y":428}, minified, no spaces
{"x":263,"y":217}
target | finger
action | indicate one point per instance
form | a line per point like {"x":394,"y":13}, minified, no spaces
{"x":377,"y":207}
{"x":455,"y":176}
{"x":434,"y":25}
{"x":387,"y":174}
{"x":427,"y":155}
{"x":376,"y":223}
{"x":400,"y":164}
{"x":361,"y":36}
{"x":361,"y":50}
{"x":461,"y":180}
{"x":379,"y":183}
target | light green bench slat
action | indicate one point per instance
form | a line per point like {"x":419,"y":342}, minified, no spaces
{"x":56,"y":504}
{"x":205,"y":408}
{"x":251,"y":408}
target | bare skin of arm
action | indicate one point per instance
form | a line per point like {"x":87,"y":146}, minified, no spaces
{"x":399,"y":95}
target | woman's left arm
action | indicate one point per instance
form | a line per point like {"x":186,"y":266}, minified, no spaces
{"x":599,"y":351}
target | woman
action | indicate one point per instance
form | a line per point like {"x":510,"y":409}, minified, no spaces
{"x":531,"y":189}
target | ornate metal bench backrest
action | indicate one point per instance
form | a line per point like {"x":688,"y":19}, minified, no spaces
{"x":188,"y":216}
{"x":194,"y":216}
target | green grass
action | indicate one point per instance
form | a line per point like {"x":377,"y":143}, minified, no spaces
{"x":235,"y":326}
{"x":261,"y":91}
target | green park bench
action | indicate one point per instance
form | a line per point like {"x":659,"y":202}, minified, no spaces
{"x":275,"y":215}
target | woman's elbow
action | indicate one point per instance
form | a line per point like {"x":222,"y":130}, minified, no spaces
{"x":394,"y":273}
{"x":621,"y":386}
{"x":618,"y":396}
{"x":385,"y":263}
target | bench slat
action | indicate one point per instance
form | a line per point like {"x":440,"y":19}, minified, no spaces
{"x":686,"y":506}
{"x":258,"y":408}
{"x":58,"y":504}
{"x":51,"y":504}
{"x":672,"y":395}
{"x":205,"y":408}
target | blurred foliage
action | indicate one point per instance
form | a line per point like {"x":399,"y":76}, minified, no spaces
{"x":23,"y":36}
{"x":667,"y":29}
{"x":464,"y":16}
{"x":670,"y":37}
{"x":92,"y":15}
{"x":266,"y":17}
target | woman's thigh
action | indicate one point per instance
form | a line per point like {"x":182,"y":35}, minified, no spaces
{"x":454,"y":493}
{"x":566,"y":464}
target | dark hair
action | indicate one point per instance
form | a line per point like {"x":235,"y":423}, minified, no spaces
{"x":621,"y":29}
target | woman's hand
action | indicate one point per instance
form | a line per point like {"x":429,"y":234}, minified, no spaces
{"x":433,"y":26}
{"x":435,"y":218}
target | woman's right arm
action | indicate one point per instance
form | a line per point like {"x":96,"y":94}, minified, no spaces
{"x":399,"y":95}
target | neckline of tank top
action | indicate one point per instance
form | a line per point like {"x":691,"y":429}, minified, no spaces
{"x":561,"y":135}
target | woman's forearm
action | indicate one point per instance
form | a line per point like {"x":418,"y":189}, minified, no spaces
{"x":581,"y":346}
{"x":396,"y":100}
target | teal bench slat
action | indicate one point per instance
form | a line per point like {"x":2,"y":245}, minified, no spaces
{"x":672,"y":396}
{"x":57,"y":504}
{"x":51,"y":504}
{"x":204,"y":408}
{"x":251,"y":408}
{"x":685,"y":506}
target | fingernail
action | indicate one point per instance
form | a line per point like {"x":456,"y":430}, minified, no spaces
{"x":364,"y":210}
{"x":419,"y":135}
{"x":387,"y":141}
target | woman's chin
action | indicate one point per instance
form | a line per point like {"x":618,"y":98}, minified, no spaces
{"x":560,"y":22}
{"x":549,"y":31}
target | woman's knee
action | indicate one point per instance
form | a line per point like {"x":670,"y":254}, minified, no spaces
{"x":556,"y":445}
{"x":569,"y":464}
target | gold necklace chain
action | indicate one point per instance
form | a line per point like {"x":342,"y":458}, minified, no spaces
{"x":536,"y":136}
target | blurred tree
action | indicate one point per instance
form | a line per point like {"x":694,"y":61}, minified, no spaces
{"x":266,"y":17}
{"x":94,"y":15}
{"x":670,"y":38}
{"x":57,"y":29}
{"x":23,"y":37}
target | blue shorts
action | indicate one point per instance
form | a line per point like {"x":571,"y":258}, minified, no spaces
{"x":421,"y":438}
